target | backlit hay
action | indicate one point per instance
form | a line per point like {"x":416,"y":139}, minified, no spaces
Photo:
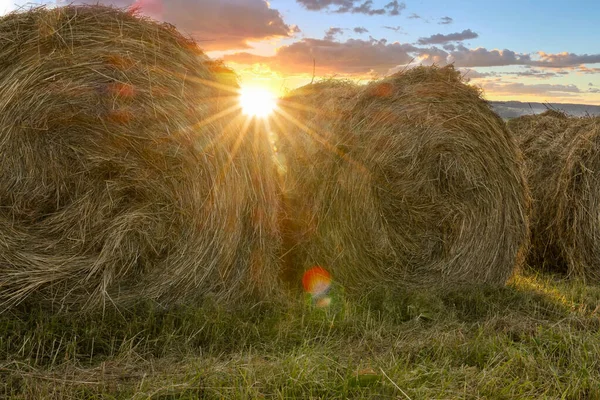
{"x":307,"y":147}
{"x":413,"y":182}
{"x":563,"y":167}
{"x":125,"y":171}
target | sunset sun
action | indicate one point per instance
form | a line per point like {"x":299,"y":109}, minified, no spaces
{"x":257,"y":102}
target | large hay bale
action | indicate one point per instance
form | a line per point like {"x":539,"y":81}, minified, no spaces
{"x":307,"y":147}
{"x":123,"y":175}
{"x":416,"y":184}
{"x":562,"y":157}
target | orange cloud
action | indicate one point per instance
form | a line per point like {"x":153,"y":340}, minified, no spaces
{"x":564,"y":59}
{"x":354,"y":56}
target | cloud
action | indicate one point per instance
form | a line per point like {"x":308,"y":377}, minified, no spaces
{"x":364,"y":8}
{"x":414,"y":16}
{"x":360,"y":30}
{"x":360,"y":56}
{"x":562,"y":60}
{"x":353,"y":6}
{"x":536,"y":89}
{"x":445,"y":21}
{"x":332,"y":32}
{"x":481,"y":57}
{"x":474,"y":74}
{"x":395,"y":8}
{"x":593,"y":90}
{"x":462,"y":56}
{"x":586,"y":70}
{"x":432,"y":55}
{"x":452,"y":37}
{"x":354,"y":56}
{"x":317,"y":5}
{"x":590,"y":84}
{"x":536,"y":73}
{"x":217,"y":25}
{"x":393,"y":28}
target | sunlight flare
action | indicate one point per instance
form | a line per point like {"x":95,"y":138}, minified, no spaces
{"x":257,"y":102}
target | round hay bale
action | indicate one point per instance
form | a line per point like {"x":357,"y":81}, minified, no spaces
{"x":417,"y":184}
{"x":125,"y":174}
{"x":306,"y":147}
{"x":562,"y":157}
{"x":520,"y":124}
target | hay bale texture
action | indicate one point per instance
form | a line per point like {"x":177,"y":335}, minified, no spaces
{"x":307,"y":148}
{"x":414,"y":183}
{"x":562,"y":157}
{"x":123,"y":176}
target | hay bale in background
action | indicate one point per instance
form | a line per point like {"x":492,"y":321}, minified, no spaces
{"x":520,"y":124}
{"x":419,"y":186}
{"x":119,"y":181}
{"x":562,"y":157}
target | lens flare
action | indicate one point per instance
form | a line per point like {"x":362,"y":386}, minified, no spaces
{"x":257,"y":102}
{"x":323,"y":302}
{"x":316,"y":281}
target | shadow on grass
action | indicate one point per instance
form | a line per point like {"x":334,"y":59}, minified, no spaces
{"x":530,"y":296}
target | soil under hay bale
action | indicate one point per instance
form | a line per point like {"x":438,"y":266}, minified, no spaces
{"x":562,"y":156}
{"x":414,"y":183}
{"x":119,"y":181}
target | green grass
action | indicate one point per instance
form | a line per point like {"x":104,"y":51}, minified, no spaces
{"x":537,"y":338}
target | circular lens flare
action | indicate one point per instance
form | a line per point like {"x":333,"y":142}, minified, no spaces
{"x":316,"y":281}
{"x":257,"y":102}
{"x":323,"y":302}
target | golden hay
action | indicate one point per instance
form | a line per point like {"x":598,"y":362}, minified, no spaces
{"x":311,"y":113}
{"x":414,"y":182}
{"x":563,"y":162}
{"x":120,"y":180}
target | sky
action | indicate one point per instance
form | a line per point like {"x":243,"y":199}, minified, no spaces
{"x":542,"y":51}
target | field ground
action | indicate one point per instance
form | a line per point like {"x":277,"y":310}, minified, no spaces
{"x":537,"y":338}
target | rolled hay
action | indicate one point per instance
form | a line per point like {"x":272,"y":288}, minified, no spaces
{"x":306,"y":147}
{"x":125,"y":173}
{"x":520,"y":124}
{"x":417,"y":184}
{"x":562,"y":157}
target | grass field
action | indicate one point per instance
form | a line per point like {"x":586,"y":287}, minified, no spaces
{"x":537,"y":338}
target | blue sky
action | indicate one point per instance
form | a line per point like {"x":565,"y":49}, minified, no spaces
{"x":522,"y":50}
{"x":524,"y":26}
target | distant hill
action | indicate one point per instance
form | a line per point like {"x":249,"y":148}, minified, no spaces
{"x":514,"y":109}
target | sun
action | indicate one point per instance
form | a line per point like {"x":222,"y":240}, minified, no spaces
{"x":257,"y":102}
